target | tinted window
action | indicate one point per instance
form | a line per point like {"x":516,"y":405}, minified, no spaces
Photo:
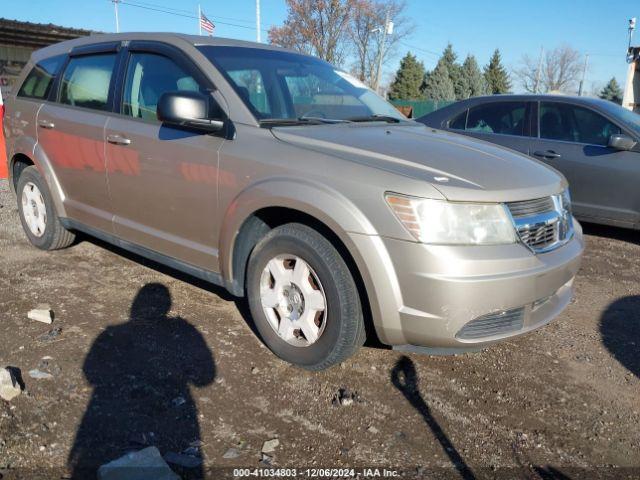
{"x":39,"y":81}
{"x":502,"y":117}
{"x":459,"y":122}
{"x":570,"y":123}
{"x":86,"y":81}
{"x":148,"y":77}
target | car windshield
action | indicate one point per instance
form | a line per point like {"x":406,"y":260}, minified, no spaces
{"x":289,"y":88}
{"x":627,"y":117}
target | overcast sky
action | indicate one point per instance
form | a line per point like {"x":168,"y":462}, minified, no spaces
{"x":516,"y":27}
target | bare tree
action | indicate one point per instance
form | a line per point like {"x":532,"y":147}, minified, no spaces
{"x":368,"y":18}
{"x":317,"y":27}
{"x":559,"y":71}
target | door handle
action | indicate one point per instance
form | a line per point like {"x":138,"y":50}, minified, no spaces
{"x":547,"y":154}
{"x":46,"y":124}
{"x":118,"y":140}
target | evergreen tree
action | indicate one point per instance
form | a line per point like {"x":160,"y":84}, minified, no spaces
{"x":612,"y":92}
{"x":472,"y":78}
{"x":408,"y":81}
{"x":496,"y":75}
{"x":448,"y":59}
{"x":437,"y":84}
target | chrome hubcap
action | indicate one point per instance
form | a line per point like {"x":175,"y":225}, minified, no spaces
{"x":293,"y":300}
{"x":33,"y":209}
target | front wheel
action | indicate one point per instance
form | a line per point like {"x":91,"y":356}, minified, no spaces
{"x":303,"y":298}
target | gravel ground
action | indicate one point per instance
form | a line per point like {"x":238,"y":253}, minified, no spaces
{"x":140,"y":355}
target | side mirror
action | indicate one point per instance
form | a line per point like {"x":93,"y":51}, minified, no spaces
{"x":188,"y":109}
{"x":621,"y":141}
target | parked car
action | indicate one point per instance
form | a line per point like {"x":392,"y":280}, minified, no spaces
{"x":593,"y":142}
{"x":289,"y":182}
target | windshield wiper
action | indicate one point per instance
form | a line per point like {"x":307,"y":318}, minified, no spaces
{"x":375,"y":118}
{"x":271,"y":122}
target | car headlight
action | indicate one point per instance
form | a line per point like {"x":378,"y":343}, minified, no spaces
{"x":447,"y":223}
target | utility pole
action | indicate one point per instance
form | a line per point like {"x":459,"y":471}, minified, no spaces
{"x":584,"y":74}
{"x":199,"y":20}
{"x":536,"y":85}
{"x":387,"y":29}
{"x":258,"y":21}
{"x":115,"y":8}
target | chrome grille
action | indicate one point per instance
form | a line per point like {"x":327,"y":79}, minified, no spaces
{"x":542,"y":224}
{"x":531,"y":207}
{"x":498,"y":323}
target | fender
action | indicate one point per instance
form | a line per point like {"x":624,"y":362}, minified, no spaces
{"x":339,"y":214}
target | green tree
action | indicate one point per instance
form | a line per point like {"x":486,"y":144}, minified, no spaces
{"x":409,"y":78}
{"x":612,"y":92}
{"x":438,"y":85}
{"x":472,"y":79}
{"x":448,"y":59}
{"x":496,"y":75}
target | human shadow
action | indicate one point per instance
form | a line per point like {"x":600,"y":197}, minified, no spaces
{"x":141,"y":371}
{"x":620,"y":330}
{"x":405,"y":379}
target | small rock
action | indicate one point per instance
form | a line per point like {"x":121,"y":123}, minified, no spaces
{"x":42,"y":314}
{"x":255,"y":370}
{"x":178,"y":401}
{"x":270,"y":445}
{"x":186,"y":461}
{"x":9,"y":384}
{"x":50,"y":335}
{"x":344,"y":397}
{"x":39,"y":374}
{"x":144,"y":464}
{"x":231,"y":453}
{"x":372,"y":429}
{"x":266,"y":460}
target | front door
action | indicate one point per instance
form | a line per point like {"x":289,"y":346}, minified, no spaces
{"x":71,"y":134}
{"x":602,"y":180}
{"x":162,"y":180}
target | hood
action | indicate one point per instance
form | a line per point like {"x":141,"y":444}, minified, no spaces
{"x":460,"y":167}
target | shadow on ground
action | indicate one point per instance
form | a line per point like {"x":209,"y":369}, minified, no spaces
{"x":405,"y":379}
{"x":620,"y":330}
{"x":141,"y":372}
{"x":616,"y":233}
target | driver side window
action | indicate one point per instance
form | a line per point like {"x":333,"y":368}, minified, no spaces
{"x":571,"y":123}
{"x":149,"y":75}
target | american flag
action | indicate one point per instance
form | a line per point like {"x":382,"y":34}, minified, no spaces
{"x":206,"y":24}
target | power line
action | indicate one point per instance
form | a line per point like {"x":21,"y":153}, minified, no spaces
{"x":184,"y":15}
{"x":421,"y":50}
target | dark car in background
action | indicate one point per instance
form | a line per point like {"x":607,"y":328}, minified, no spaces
{"x":593,"y":142}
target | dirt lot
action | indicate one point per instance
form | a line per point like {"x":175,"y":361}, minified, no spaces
{"x":140,"y":355}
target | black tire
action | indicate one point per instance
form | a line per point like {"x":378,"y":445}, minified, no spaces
{"x":344,"y":332}
{"x":55,"y":236}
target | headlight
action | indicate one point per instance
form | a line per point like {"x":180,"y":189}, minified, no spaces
{"x":446,"y":223}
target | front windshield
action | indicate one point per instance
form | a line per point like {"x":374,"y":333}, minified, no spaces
{"x":283,"y":85}
{"x":629,"y":118}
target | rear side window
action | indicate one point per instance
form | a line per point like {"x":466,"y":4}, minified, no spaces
{"x":570,"y":123}
{"x":507,"y":118}
{"x":149,"y":76}
{"x":86,"y":80}
{"x":40,"y":79}
{"x":459,"y":122}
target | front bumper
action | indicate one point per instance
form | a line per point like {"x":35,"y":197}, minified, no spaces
{"x":437,"y":290}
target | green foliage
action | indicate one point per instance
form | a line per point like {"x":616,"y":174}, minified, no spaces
{"x":448,"y":59}
{"x":438,"y":85}
{"x":496,"y":75}
{"x":612,"y":92}
{"x":409,"y":78}
{"x":473,"y":83}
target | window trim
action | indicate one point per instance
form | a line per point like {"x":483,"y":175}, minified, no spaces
{"x":54,"y":80}
{"x":595,"y":110}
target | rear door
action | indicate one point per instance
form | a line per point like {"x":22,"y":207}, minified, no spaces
{"x":505,"y":123}
{"x":603,"y":181}
{"x":71,"y":133}
{"x":162,"y":180}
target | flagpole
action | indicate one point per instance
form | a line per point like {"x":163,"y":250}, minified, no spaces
{"x":115,"y":7}
{"x":199,"y":20}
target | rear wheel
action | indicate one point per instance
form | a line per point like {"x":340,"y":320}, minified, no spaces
{"x":303,"y":299}
{"x":37,"y":212}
